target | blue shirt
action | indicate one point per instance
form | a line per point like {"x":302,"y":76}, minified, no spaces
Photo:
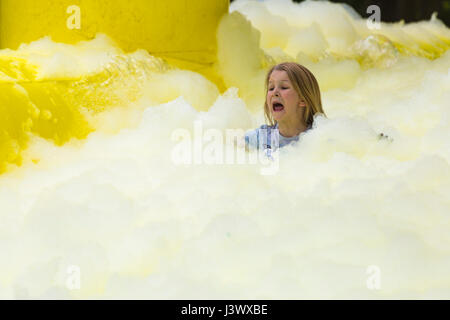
{"x":268,"y":137}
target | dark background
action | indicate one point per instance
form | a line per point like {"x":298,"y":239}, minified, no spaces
{"x":407,"y":10}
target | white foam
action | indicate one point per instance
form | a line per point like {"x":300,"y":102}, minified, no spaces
{"x":138,"y":226}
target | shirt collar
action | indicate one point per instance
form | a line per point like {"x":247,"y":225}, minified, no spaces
{"x":308,"y":128}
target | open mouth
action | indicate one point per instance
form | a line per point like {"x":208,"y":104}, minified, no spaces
{"x":277,"y":107}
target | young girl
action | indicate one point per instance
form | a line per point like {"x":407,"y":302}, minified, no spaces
{"x":292,"y":100}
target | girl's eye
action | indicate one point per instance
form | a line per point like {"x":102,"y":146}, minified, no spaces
{"x":284,"y":88}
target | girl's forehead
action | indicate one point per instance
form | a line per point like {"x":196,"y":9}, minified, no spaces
{"x":279,"y":75}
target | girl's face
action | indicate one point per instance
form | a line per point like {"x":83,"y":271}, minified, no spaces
{"x":282,"y":99}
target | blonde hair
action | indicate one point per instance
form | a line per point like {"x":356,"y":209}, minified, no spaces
{"x":305,"y":84}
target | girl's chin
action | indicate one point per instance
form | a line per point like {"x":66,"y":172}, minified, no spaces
{"x":278,"y":115}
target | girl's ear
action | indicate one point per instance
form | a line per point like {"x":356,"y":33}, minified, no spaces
{"x":302,"y":103}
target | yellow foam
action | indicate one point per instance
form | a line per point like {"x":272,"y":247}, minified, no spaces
{"x":54,"y":102}
{"x":182,"y":30}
